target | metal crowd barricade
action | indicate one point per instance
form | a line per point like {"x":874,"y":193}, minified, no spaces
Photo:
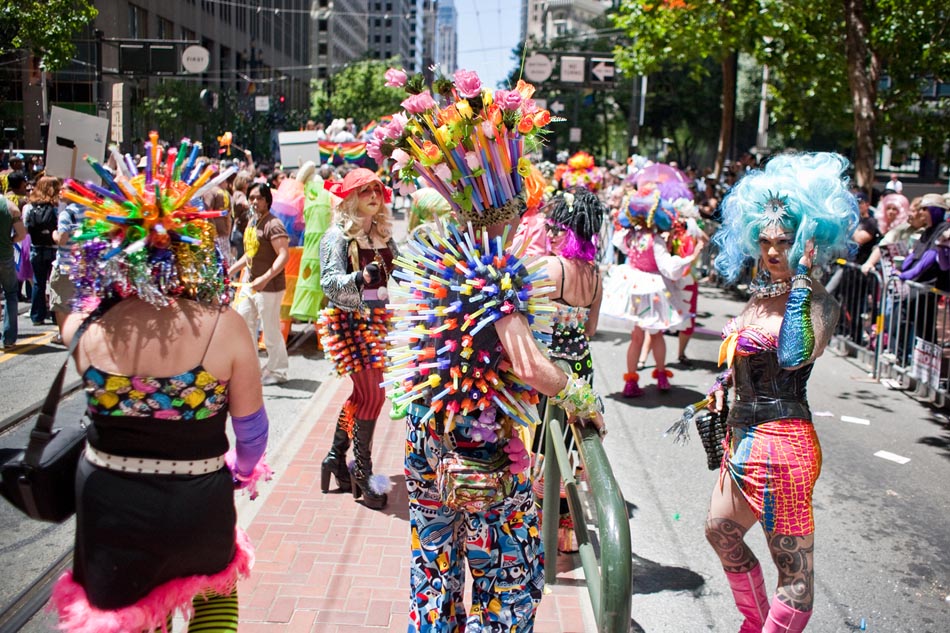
{"x":916,"y":337}
{"x":860,"y":325}
{"x":609,"y":580}
{"x":899,"y":330}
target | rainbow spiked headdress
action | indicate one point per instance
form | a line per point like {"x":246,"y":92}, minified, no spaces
{"x":147,"y":234}
{"x":471,"y":149}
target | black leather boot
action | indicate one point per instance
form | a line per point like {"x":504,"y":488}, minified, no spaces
{"x":335,"y":461}
{"x":372,"y":488}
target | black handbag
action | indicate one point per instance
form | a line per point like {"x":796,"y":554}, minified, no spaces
{"x":40,"y":480}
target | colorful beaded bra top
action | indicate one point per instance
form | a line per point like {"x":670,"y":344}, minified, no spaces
{"x":453,"y":285}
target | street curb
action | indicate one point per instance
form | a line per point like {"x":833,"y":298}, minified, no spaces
{"x":280,"y":457}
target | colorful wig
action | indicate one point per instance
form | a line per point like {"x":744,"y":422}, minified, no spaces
{"x":903,"y":211}
{"x":580,"y":214}
{"x":805,"y":193}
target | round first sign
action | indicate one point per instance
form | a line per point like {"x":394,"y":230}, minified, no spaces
{"x":538,"y":67}
{"x":195,"y":59}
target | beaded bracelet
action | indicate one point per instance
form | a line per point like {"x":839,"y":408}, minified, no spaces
{"x":577,"y":398}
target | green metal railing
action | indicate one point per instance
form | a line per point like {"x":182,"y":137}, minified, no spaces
{"x":610,"y":579}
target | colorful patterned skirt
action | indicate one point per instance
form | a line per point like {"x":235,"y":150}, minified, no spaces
{"x":355,"y":339}
{"x":775,"y":465}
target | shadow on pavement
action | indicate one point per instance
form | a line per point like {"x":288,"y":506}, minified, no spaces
{"x":651,"y":577}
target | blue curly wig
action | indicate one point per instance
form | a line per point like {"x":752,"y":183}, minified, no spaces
{"x":806,"y":193}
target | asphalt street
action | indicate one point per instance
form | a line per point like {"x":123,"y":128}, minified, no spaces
{"x":881,"y":553}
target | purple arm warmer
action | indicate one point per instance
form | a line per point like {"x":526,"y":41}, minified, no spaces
{"x":251,"y":434}
{"x":926,"y":260}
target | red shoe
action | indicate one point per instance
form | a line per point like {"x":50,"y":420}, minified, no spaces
{"x":662,"y":379}
{"x":631,"y":387}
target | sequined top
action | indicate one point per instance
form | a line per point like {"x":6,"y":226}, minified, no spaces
{"x":178,"y":417}
{"x":337,"y":277}
{"x":569,"y":340}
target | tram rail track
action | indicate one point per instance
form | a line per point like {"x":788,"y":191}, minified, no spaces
{"x":25,"y":605}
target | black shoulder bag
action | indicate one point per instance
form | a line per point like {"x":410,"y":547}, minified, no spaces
{"x":40,"y":480}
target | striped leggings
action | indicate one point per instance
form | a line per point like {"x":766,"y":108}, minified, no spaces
{"x":213,"y":613}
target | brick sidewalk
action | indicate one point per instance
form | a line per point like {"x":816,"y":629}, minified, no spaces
{"x":327,"y":564}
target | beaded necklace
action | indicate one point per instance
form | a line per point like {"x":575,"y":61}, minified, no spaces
{"x":762,"y":287}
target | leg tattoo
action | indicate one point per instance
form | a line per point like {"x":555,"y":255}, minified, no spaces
{"x":726,"y":538}
{"x":794,"y":557}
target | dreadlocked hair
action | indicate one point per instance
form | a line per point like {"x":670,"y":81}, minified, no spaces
{"x":579,"y":213}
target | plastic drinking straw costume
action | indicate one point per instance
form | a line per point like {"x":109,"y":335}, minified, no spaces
{"x":646,"y":291}
{"x":356,"y":261}
{"x":156,"y":526}
{"x":574,"y":221}
{"x":462,"y":302}
{"x":318,"y":216}
{"x":795,"y":214}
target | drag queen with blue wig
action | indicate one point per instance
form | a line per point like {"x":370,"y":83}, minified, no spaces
{"x":646,"y":291}
{"x":794,"y":215}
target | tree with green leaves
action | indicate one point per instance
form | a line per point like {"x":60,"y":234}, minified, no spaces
{"x":892,"y":50}
{"x":687,"y":34}
{"x":356,"y":91}
{"x":46,"y":29}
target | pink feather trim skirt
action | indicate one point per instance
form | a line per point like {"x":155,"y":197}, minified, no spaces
{"x":145,"y":545}
{"x":77,"y":615}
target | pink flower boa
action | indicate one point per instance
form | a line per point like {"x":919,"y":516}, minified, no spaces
{"x":150,"y":613}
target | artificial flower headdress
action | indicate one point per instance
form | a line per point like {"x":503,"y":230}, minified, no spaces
{"x":147,"y":234}
{"x":471,"y":149}
{"x":582,"y":172}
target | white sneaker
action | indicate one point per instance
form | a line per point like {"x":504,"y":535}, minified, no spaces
{"x":272,"y":379}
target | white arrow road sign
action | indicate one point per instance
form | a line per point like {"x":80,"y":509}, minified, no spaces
{"x":603,"y":69}
{"x":557,"y":107}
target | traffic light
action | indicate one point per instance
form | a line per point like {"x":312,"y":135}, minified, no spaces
{"x":281,"y":100}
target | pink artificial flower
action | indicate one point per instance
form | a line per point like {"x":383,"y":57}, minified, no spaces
{"x":373,"y":149}
{"x":405,"y":188}
{"x":508,"y":99}
{"x":529,"y":106}
{"x":443,"y":172}
{"x":395,"y":78}
{"x":472,"y":160}
{"x":401,"y":158}
{"x":467,"y":83}
{"x":417,"y":104}
{"x":488,"y":129}
{"x":398,"y":123}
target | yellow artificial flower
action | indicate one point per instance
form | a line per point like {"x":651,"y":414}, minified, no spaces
{"x":444,"y":136}
{"x":464,"y":109}
{"x":524,"y":167}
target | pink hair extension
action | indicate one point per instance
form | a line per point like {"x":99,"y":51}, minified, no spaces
{"x":576,"y":248}
{"x":150,"y":613}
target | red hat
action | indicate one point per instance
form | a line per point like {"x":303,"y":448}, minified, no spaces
{"x":356,"y":180}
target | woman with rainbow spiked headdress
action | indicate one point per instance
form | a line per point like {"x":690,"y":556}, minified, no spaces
{"x":792,"y":216}
{"x":165,"y":361}
{"x":647,"y":290}
{"x":468,"y":314}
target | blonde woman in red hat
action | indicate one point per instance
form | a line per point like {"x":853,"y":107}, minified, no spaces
{"x":356,"y":260}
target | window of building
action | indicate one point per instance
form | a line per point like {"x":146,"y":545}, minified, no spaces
{"x":389,"y":39}
{"x":138,"y":22}
{"x":166,"y":29}
{"x":241,"y":16}
{"x":322,"y":48}
{"x":187,"y":34}
{"x":207,"y":6}
{"x":322,"y":72}
{"x":322,"y":25}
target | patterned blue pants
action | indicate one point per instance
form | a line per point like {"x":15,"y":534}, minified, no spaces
{"x":502,"y":546}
